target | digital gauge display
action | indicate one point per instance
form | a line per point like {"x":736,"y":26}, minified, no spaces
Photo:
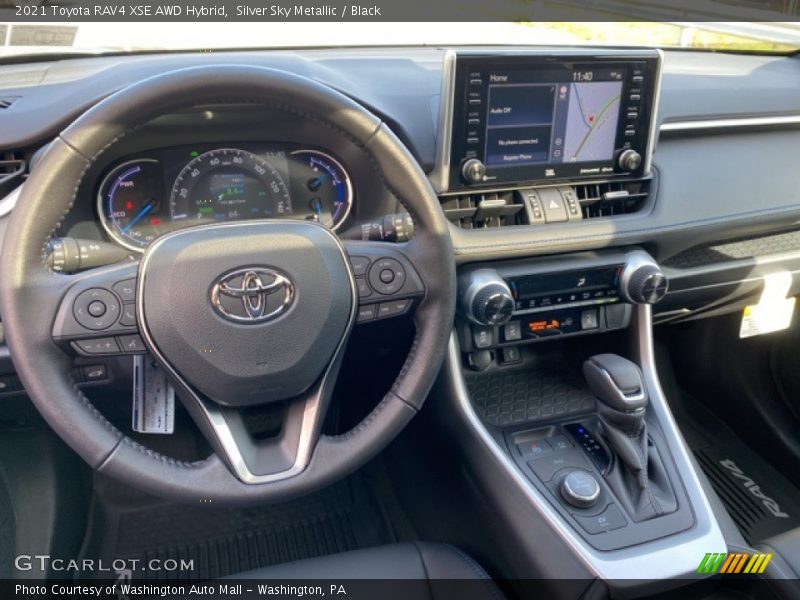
{"x":143,"y":198}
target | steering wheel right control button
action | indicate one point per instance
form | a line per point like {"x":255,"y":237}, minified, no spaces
{"x":611,"y":518}
{"x":96,"y":309}
{"x":580,"y":489}
{"x":387,"y":276}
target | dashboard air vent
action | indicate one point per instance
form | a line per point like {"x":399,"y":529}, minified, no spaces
{"x":12,"y":165}
{"x":611,"y":198}
{"x":475,"y":211}
{"x":7,"y":101}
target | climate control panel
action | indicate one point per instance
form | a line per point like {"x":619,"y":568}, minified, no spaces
{"x":527,"y":301}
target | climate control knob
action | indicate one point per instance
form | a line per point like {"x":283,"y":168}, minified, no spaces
{"x":629,"y":160}
{"x":473,"y":171}
{"x":645,"y":284}
{"x":486,"y":298}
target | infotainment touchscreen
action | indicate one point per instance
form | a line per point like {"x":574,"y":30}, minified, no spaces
{"x":552,"y":116}
{"x":527,"y":118}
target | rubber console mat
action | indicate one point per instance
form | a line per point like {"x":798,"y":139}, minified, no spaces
{"x":223,"y":541}
{"x":761,"y":501}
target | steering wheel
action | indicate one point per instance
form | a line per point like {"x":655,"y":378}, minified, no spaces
{"x":237,"y":314}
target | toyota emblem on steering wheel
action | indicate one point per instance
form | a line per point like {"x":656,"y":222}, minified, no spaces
{"x":252,"y":295}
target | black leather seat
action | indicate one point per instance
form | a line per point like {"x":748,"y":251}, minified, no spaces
{"x":418,"y":569}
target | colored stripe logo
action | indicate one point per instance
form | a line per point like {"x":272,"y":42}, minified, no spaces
{"x":734,"y":562}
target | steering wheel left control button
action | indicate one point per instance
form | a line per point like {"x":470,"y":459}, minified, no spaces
{"x":96,"y":309}
{"x":105,"y":345}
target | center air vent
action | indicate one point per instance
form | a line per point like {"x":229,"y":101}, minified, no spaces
{"x":545,"y":205}
{"x":474,"y":211}
{"x":612,"y":198}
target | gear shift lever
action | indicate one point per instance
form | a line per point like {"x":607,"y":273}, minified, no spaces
{"x":638,"y":476}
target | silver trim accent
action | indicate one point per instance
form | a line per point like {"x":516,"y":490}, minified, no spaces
{"x":673,"y":557}
{"x":653,"y":133}
{"x":313,"y":404}
{"x":9,"y":201}
{"x":348,"y":183}
{"x":634,"y":261}
{"x":101,"y":213}
{"x":728,"y":123}
{"x":440,"y":176}
{"x":477,"y":281}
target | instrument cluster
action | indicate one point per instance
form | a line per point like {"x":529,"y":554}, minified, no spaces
{"x":144,"y":196}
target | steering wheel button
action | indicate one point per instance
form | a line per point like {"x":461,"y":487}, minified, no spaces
{"x":363,"y":288}
{"x":128,"y":318}
{"x":387,"y":276}
{"x":131,"y":343}
{"x":360,"y":264}
{"x":96,"y":308}
{"x":107,"y":345}
{"x":392,"y":309}
{"x":125,"y":290}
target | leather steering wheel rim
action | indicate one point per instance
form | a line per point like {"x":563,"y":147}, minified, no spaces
{"x":30,"y":290}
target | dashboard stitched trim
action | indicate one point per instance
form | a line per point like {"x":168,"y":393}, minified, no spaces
{"x":627,"y":233}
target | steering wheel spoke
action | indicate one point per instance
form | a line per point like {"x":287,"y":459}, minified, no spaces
{"x":387,"y":281}
{"x":97,"y":313}
{"x":261,"y":453}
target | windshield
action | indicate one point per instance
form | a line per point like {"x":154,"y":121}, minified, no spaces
{"x":43,"y":37}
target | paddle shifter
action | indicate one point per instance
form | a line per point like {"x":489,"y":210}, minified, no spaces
{"x":637,"y":476}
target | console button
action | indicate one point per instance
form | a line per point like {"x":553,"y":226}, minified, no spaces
{"x":366,"y":313}
{"x":377,"y":275}
{"x":131,"y":343}
{"x":511,"y":356}
{"x":480,"y":360}
{"x":589,"y":319}
{"x":534,"y":448}
{"x":126,"y":289}
{"x":360,"y":264}
{"x":482,"y":337}
{"x":560,"y":442}
{"x":512,"y":331}
{"x":611,"y":518}
{"x":107,"y":345}
{"x":104,"y":311}
{"x":548,"y":466}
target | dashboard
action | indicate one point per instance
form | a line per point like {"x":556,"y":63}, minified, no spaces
{"x":144,"y":196}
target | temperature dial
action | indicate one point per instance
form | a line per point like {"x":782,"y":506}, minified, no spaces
{"x":486,"y":298}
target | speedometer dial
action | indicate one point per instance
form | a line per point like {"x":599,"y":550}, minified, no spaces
{"x":228,"y":184}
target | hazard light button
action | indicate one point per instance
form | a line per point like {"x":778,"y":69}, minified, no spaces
{"x":555,"y":211}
